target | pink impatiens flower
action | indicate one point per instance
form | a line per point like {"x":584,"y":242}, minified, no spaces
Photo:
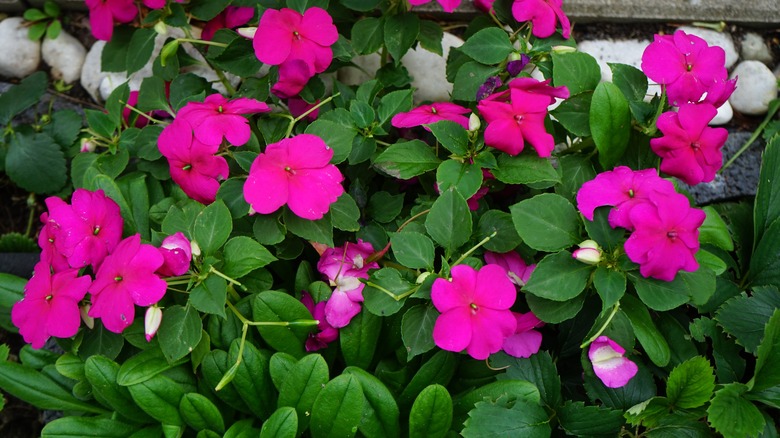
{"x":293,"y":76}
{"x":514,"y":265}
{"x":216,"y":117}
{"x":435,"y":112}
{"x":231,"y":18}
{"x":193,"y":165}
{"x":685,"y":65}
{"x":295,"y":171}
{"x":447,"y":5}
{"x":526,"y":341}
{"x":544,"y":15}
{"x":47,"y":241}
{"x":102,"y":14}
{"x":177,"y":252}
{"x":689,"y":149}
{"x":666,"y":236}
{"x":126,"y":278}
{"x":344,"y":267}
{"x":285,"y":35}
{"x":474,"y":308}
{"x":610,"y":366}
{"x":325,"y":333}
{"x":50,"y":306}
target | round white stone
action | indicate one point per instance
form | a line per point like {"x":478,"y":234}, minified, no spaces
{"x":756,"y":87}
{"x":754,"y":48}
{"x":65,"y":55}
{"x":713,"y":38}
{"x":91,"y":73}
{"x":19,"y":56}
{"x":364,"y":70}
{"x":724,"y":115}
{"x":429,"y":71}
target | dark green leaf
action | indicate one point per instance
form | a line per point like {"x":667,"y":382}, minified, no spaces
{"x":555,"y":312}
{"x":745,"y":317}
{"x":64,"y":127}
{"x":151,"y":96}
{"x":431,"y":413}
{"x":368,"y":35}
{"x":338,"y":409}
{"x":35,"y":163}
{"x":497,"y":420}
{"x":179,"y":332}
{"x":525,"y":169}
{"x":413,"y":250}
{"x":546,"y":222}
{"x":558,"y":277}
{"x":430,"y":36}
{"x":610,"y":123}
{"x":578,"y":71}
{"x":538,"y":369}
{"x":469,"y":78}
{"x":320,"y":231}
{"x":407,"y":160}
{"x":22,"y":96}
{"x":400,"y":32}
{"x":142,"y":367}
{"x":464,"y":177}
{"x":140,"y":49}
{"x":765,"y":262}
{"x":767,"y":205}
{"x":302,"y":386}
{"x":345,"y":214}
{"x":185,"y":88}
{"x":574,"y":114}
{"x":272,"y":306}
{"x":384,"y":207}
{"x":691,"y":383}
{"x":630,"y":80}
{"x":767,"y":373}
{"x":159,"y":397}
{"x":393,"y":103}
{"x":610,"y":285}
{"x":39,"y":389}
{"x":243,"y":255}
{"x":358,"y":339}
{"x":488,"y":46}
{"x":252,"y":380}
{"x":383,"y":291}
{"x":72,"y":426}
{"x":209,"y":296}
{"x":200,"y":413}
{"x":114,"y":55}
{"x":580,"y":420}
{"x":283,"y":423}
{"x":449,"y":222}
{"x":439,"y":369}
{"x":732,"y":415}
{"x":648,"y":335}
{"x":335,"y":136}
{"x":417,"y":329}
{"x":380,"y":416}
{"x":451,"y":135}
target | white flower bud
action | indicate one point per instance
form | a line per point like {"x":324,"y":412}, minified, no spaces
{"x":152,"y":321}
{"x":589,"y":252}
{"x":87,"y":145}
{"x":247,"y":32}
{"x":84,"y":312}
{"x":195,"y":248}
{"x":474,"y":123}
{"x":161,"y":28}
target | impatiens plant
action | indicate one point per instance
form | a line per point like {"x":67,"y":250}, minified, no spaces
{"x":317,"y":256}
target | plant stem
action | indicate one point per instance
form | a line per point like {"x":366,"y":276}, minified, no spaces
{"x":773,"y":107}
{"x":141,"y":113}
{"x":309,"y":111}
{"x":612,"y":314}
{"x":196,"y":41}
{"x":229,"y":280}
{"x":474,"y":248}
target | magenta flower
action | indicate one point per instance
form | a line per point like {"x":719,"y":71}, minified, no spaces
{"x":666,"y":236}
{"x":531,"y":85}
{"x":47,"y":241}
{"x":89,"y":228}
{"x":296,"y":172}
{"x":216,"y":117}
{"x":50,"y":306}
{"x":689,"y":149}
{"x":298,"y":107}
{"x":544,"y":16}
{"x":293,"y":76}
{"x":231,"y":18}
{"x":610,"y":366}
{"x":154,"y":4}
{"x":325,"y":333}
{"x":435,"y":112}
{"x":623,"y":189}
{"x":474,"y":308}
{"x":125,"y":278}
{"x":140,"y":120}
{"x":177,"y":254}
{"x":685,"y":65}
{"x":514,"y":266}
{"x":285,"y":35}
{"x":102,"y":14}
{"x":484,"y":5}
{"x":512,"y":123}
{"x":344,"y":267}
{"x":720,"y":92}
{"x":526,"y":341}
{"x":193,"y":165}
{"x":448,"y":5}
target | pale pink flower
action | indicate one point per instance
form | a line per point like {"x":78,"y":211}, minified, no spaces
{"x":216,"y":117}
{"x":609,"y":364}
{"x":102,"y":14}
{"x":344,"y":267}
{"x":89,"y":228}
{"x":50,"y":306}
{"x":152,"y":321}
{"x":666,"y":236}
{"x":177,"y":252}
{"x":447,"y":5}
{"x":544,"y":16}
{"x":126,"y":278}
{"x":526,"y":341}
{"x":474,"y":307}
{"x":325,"y":333}
{"x":514,"y":265}
{"x":685,"y":65}
{"x":285,"y":35}
{"x":689,"y":149}
{"x":432,"y":113}
{"x":621,"y":188}
{"x":193,"y":165}
{"x":589,"y":252}
{"x":231,"y":18}
{"x":295,"y":171}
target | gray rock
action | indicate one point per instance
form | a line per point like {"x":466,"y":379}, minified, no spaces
{"x":20,"y":56}
{"x":754,"y":48}
{"x":714,"y":38}
{"x":756,"y":87}
{"x":65,"y":55}
{"x":429,"y":71}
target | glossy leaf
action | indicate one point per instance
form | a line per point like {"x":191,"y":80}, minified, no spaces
{"x":610,"y":123}
{"x":283,"y":423}
{"x":338,"y":409}
{"x":546,"y":222}
{"x":431,"y":413}
{"x":691,"y":383}
{"x":449,"y":222}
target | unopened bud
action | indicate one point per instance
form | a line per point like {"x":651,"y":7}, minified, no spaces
{"x":515,"y":56}
{"x":474,"y":123}
{"x":152,"y":322}
{"x":168,"y":51}
{"x":87,"y":145}
{"x":588,"y":253}
{"x":84,"y":312}
{"x":195,"y":248}
{"x":563,"y":49}
{"x":161,"y":28}
{"x":422,"y":277}
{"x":247,"y":32}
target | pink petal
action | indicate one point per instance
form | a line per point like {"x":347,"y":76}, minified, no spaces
{"x":523,"y":344}
{"x":494,"y":289}
{"x":272,"y":41}
{"x":452,"y":330}
{"x":312,"y":191}
{"x":489,"y":330}
{"x":317,"y":25}
{"x":340,"y":310}
{"x":266,"y":188}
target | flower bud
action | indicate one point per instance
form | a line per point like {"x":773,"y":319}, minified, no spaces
{"x":152,"y":321}
{"x":422,"y":277}
{"x":161,"y":28}
{"x":474,"y":123}
{"x":87,"y":145}
{"x":247,"y":32}
{"x":563,"y":49}
{"x":176,"y":250}
{"x":194,"y":248}
{"x":589,"y":252}
{"x":84,"y":312}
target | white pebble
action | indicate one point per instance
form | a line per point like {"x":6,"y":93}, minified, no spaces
{"x":714,"y":38}
{"x":91,"y":73}
{"x":756,"y":87}
{"x":20,"y":55}
{"x":725,"y":114}
{"x":755,"y":49}
{"x":429,"y":71}
{"x":65,"y":55}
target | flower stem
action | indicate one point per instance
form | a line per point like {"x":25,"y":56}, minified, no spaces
{"x":196,"y":41}
{"x":379,"y":254}
{"x":390,"y":294}
{"x":612,"y":314}
{"x":143,"y":114}
{"x":773,"y":107}
{"x":229,"y":280}
{"x":309,"y":111}
{"x":474,"y":248}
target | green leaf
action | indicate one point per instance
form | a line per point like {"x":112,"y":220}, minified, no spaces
{"x":610,"y":123}
{"x":272,"y":306}
{"x":439,"y":369}
{"x":252,"y":379}
{"x":362,"y":114}
{"x":506,"y":390}
{"x":345,"y":214}
{"x":610,"y":285}
{"x":580,"y":420}
{"x":159,"y":397}
{"x":640,"y":388}
{"x":102,"y":374}
{"x":200,"y":413}
{"x":574,"y":114}
{"x":767,"y":206}
{"x":40,"y":390}
{"x":205,"y":10}
{"x":151,"y":96}
{"x":142,"y":367}
{"x":100,"y":341}
{"x":417,"y":329}
{"x":732,"y":415}
{"x":498,"y":420}
{"x":555,"y":312}
{"x":449,"y":222}
{"x":243,"y":255}
{"x":72,"y":426}
{"x":431,"y":413}
{"x":469,"y":78}
{"x":140,"y":49}
{"x":64,"y":127}
{"x":283,"y":423}
{"x":767,"y":373}
{"x":488,"y":46}
{"x":602,"y":232}
{"x":380,"y":415}
{"x":114,"y":55}
{"x":336,"y":136}
{"x":320,"y":231}
{"x":179,"y":332}
{"x":210,"y":295}
{"x":538,"y":369}
{"x":302,"y":386}
{"x":765,"y":263}
{"x":212,"y":227}
{"x":358,"y":339}
{"x":499,"y":222}
{"x":630,"y":80}
{"x":745,"y":317}
{"x":186,"y":88}
{"x":35,"y":163}
{"x":338,"y":409}
{"x":407,"y":160}
{"x":393,"y":103}
{"x":691,"y":383}
{"x":648,"y":335}
{"x":22,"y":96}
{"x":400,"y":32}
{"x":451,"y":135}
{"x":384,"y":207}
{"x":714,"y":230}
{"x":381,"y":285}
{"x":368,"y":35}
{"x":11,"y":289}
{"x":525,"y":169}
{"x":431,"y":36}
{"x":558,"y":277}
{"x":413,"y":250}
{"x":660,"y":295}
{"x":578,"y":71}
{"x":546,"y":222}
